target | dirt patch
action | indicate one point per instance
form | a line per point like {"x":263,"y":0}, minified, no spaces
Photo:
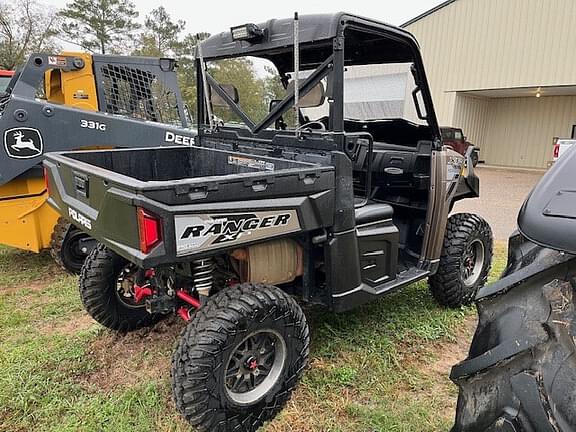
{"x":71,"y":325}
{"x":34,"y":286}
{"x":126,"y":360}
{"x":447,"y":354}
{"x":452,"y":352}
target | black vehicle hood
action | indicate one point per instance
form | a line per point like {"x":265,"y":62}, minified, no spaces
{"x":548,"y":216}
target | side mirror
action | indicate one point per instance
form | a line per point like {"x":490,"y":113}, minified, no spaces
{"x":314,"y":98}
{"x":273,"y":104}
{"x":230,"y":90}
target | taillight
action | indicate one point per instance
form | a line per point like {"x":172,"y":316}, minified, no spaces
{"x":149,"y":229}
{"x":46,"y":182}
{"x":556,"y":152}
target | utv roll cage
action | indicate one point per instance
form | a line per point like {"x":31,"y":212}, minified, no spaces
{"x":329,"y":44}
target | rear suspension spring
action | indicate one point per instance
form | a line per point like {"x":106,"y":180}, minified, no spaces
{"x":203,"y":275}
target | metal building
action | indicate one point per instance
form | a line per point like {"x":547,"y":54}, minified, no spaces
{"x":505,"y":72}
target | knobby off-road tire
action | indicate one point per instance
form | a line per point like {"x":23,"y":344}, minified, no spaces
{"x":215,"y":338}
{"x":462,"y":271}
{"x":103,"y":295}
{"x":64,"y":246}
{"x":521,"y":371}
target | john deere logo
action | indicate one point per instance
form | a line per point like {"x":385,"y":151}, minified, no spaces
{"x":23,"y":143}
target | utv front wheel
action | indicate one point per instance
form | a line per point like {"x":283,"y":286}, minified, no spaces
{"x":240,"y":358}
{"x":465,"y":261}
{"x":107,"y":291}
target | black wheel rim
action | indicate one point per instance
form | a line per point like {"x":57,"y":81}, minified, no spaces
{"x":74,"y":251}
{"x":125,"y":287}
{"x":472,"y":262}
{"x":255,"y":366}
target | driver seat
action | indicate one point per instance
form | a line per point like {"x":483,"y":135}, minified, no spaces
{"x":373,"y":212}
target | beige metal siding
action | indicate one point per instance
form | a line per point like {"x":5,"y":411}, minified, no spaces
{"x":471,"y":114}
{"x":487,"y":44}
{"x":520,"y":130}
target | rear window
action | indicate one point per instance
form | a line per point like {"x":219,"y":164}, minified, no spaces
{"x":452,"y":134}
{"x":4,"y":81}
{"x":447,"y":134}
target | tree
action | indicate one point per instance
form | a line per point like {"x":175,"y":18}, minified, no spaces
{"x":186,"y":70}
{"x":25,"y":27}
{"x":241,"y":74}
{"x":100,"y":25}
{"x":162,"y":35}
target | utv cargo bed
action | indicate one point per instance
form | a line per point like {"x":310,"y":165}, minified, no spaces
{"x":103,"y":190}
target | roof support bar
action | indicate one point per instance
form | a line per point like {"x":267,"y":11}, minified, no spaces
{"x":233,"y":105}
{"x":320,"y":72}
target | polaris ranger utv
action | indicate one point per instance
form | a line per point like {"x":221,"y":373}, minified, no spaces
{"x":336,"y":193}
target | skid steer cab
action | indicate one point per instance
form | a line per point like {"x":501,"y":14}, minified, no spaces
{"x":333,"y":189}
{"x":74,"y":101}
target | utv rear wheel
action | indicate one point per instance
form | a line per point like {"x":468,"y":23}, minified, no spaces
{"x":66,"y":246}
{"x":240,"y":358}
{"x":465,"y":261}
{"x":520,"y":375}
{"x":107,"y":292}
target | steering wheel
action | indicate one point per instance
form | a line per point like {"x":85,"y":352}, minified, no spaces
{"x":313,"y":125}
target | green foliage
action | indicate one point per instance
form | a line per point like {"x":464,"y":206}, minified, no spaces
{"x":240,"y":72}
{"x":186,"y":70}
{"x":161,"y":36}
{"x":26,"y":26}
{"x":100,"y":25}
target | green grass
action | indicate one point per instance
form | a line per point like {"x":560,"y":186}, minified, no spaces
{"x":372,"y":369}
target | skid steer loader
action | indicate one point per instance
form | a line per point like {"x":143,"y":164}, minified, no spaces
{"x":76,"y":101}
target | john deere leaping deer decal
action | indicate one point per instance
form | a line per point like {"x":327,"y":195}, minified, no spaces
{"x":23,"y":143}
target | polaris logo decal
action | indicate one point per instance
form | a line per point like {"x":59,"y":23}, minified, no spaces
{"x":23,"y":143}
{"x":79,"y":218}
{"x":196,"y":233}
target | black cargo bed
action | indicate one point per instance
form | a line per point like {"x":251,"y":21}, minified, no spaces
{"x":182,"y":175}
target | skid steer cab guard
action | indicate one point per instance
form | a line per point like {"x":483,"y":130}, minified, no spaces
{"x":73,"y":101}
{"x":332,"y":187}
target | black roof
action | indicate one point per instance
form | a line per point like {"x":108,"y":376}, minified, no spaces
{"x":279,"y":34}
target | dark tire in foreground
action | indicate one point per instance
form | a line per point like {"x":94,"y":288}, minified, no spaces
{"x":106,"y":289}
{"x":240,"y":358}
{"x":521,"y":371}
{"x":65,"y":246}
{"x":465,"y":261}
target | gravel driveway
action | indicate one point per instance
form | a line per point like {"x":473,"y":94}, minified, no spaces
{"x":502,"y":193}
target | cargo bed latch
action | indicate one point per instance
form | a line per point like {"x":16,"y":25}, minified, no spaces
{"x":259,"y":185}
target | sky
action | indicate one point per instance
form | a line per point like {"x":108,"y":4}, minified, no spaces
{"x":215,"y":17}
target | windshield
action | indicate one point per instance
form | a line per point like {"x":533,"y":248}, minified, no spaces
{"x":371,"y":92}
{"x":380,"y":92}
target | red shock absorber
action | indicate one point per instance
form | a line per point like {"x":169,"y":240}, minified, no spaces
{"x":185,"y":297}
{"x":184,"y":312}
